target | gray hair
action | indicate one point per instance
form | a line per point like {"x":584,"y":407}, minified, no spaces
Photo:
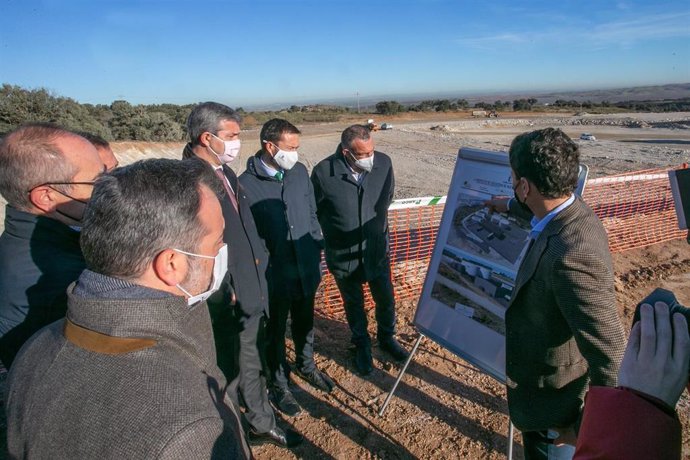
{"x":95,"y":139}
{"x":353,"y":133}
{"x":137,"y":211}
{"x":206,"y":117}
{"x":29,"y":157}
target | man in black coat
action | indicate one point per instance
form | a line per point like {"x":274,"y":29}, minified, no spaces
{"x":353,"y":189}
{"x":282,"y":202}
{"x":239,"y":308}
{"x":46,"y":176}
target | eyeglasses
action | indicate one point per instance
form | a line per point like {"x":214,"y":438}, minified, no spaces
{"x":88,"y":182}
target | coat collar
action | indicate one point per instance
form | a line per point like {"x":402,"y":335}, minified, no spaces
{"x":531,"y":260}
{"x":24,"y":225}
{"x":255,"y":168}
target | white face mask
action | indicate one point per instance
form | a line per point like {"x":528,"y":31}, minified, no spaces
{"x":220,"y":267}
{"x":230,"y":151}
{"x":286,"y":160}
{"x":366,"y":163}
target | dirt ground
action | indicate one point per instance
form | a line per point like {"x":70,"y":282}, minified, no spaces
{"x":444,"y":408}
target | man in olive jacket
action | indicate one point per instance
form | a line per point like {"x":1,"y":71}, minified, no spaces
{"x":563,"y":331}
{"x":353,"y":189}
{"x":282,"y":202}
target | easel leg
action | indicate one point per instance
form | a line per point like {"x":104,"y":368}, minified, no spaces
{"x":402,"y":371}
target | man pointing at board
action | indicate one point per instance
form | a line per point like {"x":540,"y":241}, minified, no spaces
{"x":563,"y":331}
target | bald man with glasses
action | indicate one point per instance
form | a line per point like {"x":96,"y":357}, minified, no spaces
{"x":47,"y":176}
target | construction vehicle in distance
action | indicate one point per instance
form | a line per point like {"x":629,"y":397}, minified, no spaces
{"x":485,"y":113}
{"x":372,"y":126}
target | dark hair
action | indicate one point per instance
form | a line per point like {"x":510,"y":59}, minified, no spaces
{"x":206,"y":117}
{"x":95,"y":139}
{"x":274,"y":129}
{"x":139,"y":210}
{"x":352,"y":133}
{"x":549,"y":159}
{"x":30,"y":156}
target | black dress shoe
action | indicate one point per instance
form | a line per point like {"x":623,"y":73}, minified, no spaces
{"x":277,"y":436}
{"x":283,"y":400}
{"x":317,"y":379}
{"x":363,"y":361}
{"x":390,"y":345}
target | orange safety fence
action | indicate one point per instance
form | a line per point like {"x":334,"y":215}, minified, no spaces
{"x":636,"y":209}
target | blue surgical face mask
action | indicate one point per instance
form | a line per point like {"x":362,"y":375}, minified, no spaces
{"x":220,"y":267}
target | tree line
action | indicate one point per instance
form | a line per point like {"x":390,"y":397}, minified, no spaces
{"x":528,"y":104}
{"x":122,"y":121}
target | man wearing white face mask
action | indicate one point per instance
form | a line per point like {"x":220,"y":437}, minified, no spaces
{"x":239,"y":309}
{"x":353,"y":189}
{"x":282,"y":202}
{"x":132,"y":367}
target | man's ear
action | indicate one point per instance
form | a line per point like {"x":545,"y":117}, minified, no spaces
{"x":43,"y":198}
{"x":170,"y":267}
{"x":527,"y":187}
{"x":205,"y":138}
{"x":269,"y":148}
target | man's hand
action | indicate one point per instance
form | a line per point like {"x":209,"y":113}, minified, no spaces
{"x":498,"y":204}
{"x":657,"y":359}
{"x":566,"y":435}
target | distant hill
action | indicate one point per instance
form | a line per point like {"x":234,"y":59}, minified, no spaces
{"x":636,"y":93}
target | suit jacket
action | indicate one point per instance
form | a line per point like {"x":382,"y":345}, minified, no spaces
{"x":622,"y":423}
{"x":247,"y":254}
{"x":354,"y":216}
{"x":562,"y":326}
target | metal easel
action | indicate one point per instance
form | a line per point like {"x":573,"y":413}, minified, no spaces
{"x":511,"y":429}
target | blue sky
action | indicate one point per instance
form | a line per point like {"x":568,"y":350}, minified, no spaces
{"x":257,"y":52}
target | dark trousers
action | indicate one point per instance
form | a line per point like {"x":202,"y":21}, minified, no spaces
{"x":239,"y":340}
{"x":352,"y":291}
{"x":301,"y":310}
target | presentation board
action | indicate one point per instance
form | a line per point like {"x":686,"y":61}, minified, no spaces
{"x":474,"y":263}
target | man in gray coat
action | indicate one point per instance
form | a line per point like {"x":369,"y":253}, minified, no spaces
{"x":131,"y":371}
{"x":563,"y":331}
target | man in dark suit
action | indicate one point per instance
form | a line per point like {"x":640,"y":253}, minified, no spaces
{"x":238,"y":310}
{"x":563,"y":331}
{"x":353,"y":189}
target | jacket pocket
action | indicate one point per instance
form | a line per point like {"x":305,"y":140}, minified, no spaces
{"x":561,"y":366}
